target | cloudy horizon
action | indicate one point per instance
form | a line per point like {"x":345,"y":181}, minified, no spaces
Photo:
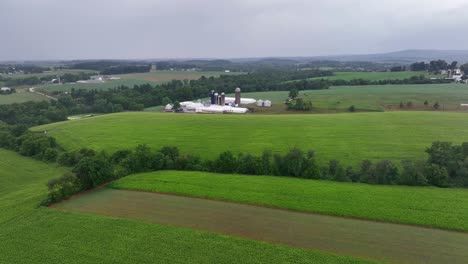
{"x":145,"y":29}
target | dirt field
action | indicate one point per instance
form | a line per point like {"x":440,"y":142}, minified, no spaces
{"x":372,"y":240}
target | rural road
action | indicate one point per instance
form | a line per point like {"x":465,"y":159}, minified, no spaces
{"x":391,"y":243}
{"x":33,"y":90}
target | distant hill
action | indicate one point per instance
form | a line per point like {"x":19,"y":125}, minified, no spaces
{"x":404,"y":56}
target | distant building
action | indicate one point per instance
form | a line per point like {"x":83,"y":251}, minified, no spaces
{"x":168,"y":108}
{"x":5,"y":89}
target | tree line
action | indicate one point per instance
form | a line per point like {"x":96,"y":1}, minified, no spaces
{"x":447,"y":166}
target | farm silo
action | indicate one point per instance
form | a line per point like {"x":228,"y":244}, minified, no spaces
{"x":215,"y":98}
{"x":212,"y":98}
{"x":238,"y":96}
{"x":223,"y":98}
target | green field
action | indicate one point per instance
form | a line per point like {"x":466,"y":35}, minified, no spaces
{"x":376,"y":76}
{"x":42,"y":235}
{"x":22,"y":183}
{"x":379,"y":97}
{"x":21,"y":97}
{"x":130,"y":80}
{"x":349,"y":137}
{"x":47,"y":73}
{"x":51,"y":236}
{"x":428,"y":206}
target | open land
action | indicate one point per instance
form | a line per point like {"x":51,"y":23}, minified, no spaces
{"x":377,"y":97}
{"x":349,"y":137}
{"x":129,"y":80}
{"x":426,"y":206}
{"x":379,"y":241}
{"x":43,"y":235}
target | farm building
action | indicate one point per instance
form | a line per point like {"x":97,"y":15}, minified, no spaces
{"x":168,"y":108}
{"x":264,"y":103}
{"x":5,"y":89}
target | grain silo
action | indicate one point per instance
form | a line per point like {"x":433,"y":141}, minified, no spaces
{"x":238,"y":96}
{"x":223,"y":98}
{"x":212,"y":98}
{"x":215,"y":98}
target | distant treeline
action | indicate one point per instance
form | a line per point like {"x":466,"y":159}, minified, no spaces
{"x":26,"y":69}
{"x":126,"y":69}
{"x":412,"y":80}
{"x":113,"y":67}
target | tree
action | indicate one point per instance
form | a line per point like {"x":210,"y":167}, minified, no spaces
{"x":426,"y":103}
{"x":293,"y":93}
{"x":437,"y":175}
{"x":436,"y":106}
{"x":419,"y":66}
{"x":176,"y":106}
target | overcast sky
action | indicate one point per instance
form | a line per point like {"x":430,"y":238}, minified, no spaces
{"x":131,"y":29}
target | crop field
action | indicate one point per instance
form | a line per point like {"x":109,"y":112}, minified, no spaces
{"x":130,"y":80}
{"x":21,"y":97}
{"x":391,"y":242}
{"x":349,"y":137}
{"x":42,"y":235}
{"x":166,"y":76}
{"x":427,"y":206}
{"x":377,"y":76}
{"x":51,"y":236}
{"x":22,"y":183}
{"x":379,"y":97}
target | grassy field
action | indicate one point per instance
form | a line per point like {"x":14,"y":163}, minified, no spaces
{"x":21,"y":97}
{"x":428,"y":206}
{"x":42,"y":235}
{"x":22,"y":183}
{"x":349,"y":138}
{"x":379,"y":97}
{"x":376,"y":76}
{"x":130,"y":80}
{"x":47,"y":73}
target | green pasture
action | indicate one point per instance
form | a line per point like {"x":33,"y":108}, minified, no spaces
{"x":379,"y":97}
{"x":21,"y":97}
{"x":22,"y":183}
{"x":427,"y":206}
{"x":349,"y":137}
{"x":376,"y":76}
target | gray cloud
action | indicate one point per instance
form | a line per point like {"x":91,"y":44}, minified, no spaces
{"x":124,"y":29}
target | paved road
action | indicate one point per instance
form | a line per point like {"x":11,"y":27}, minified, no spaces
{"x":385,"y":242}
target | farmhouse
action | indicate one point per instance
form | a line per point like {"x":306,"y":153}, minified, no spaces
{"x":5,"y":89}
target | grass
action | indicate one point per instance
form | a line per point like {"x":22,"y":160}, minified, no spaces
{"x":22,"y":183}
{"x":349,"y":138}
{"x":21,"y":97}
{"x":377,"y":76}
{"x":379,"y":97}
{"x":427,"y":206}
{"x":42,"y":235}
{"x":51,"y":236}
